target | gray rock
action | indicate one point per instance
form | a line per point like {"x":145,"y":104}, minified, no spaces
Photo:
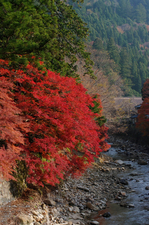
{"x":147,"y":188}
{"x":82,"y":223}
{"x":106,"y":214}
{"x":76,"y":209}
{"x":89,"y":205}
{"x":49,"y":202}
{"x":39,"y":217}
{"x":146,"y":207}
{"x":123,"y":193}
{"x":103,"y":202}
{"x":131,"y":205}
{"x":120,"y":162}
{"x":124,"y":181}
{"x":54,"y":212}
{"x":23,"y":220}
{"x":83,"y":188}
{"x":36,"y":213}
{"x":127,"y":163}
{"x":114,"y":145}
{"x":75,"y":217}
{"x":124,"y":204}
{"x":70,"y":209}
{"x":134,"y":174}
{"x":94,"y":222}
{"x":70,"y":223}
{"x":118,"y":198}
{"x":142,"y":162}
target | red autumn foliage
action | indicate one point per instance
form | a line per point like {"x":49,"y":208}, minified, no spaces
{"x":143,"y":118}
{"x":11,"y":125}
{"x":143,"y":113}
{"x":145,"y":90}
{"x":64,"y":137}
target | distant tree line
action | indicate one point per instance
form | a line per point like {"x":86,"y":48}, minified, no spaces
{"x":121,"y":28}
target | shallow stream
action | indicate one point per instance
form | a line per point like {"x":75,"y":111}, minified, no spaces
{"x":138,"y":180}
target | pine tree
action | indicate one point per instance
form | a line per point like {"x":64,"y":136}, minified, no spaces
{"x":143,"y":73}
{"x":125,"y":66}
{"x":134,"y":72}
{"x":125,"y":8}
{"x":98,"y":44}
{"x":49,"y":30}
{"x":138,"y":83}
{"x":113,"y":51}
{"x":140,"y":14}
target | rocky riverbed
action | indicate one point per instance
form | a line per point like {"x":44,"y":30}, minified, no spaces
{"x":79,"y":201}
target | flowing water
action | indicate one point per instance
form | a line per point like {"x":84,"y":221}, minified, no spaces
{"x":138,"y":179}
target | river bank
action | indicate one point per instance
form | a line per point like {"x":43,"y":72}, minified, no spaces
{"x":79,"y":201}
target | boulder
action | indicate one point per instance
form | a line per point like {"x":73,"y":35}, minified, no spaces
{"x":142,"y":162}
{"x":23,"y":219}
{"x":120,"y":162}
{"x":131,"y":205}
{"x":94,"y":222}
{"x":89,"y":205}
{"x":124,"y":204}
{"x":49,"y":202}
{"x":124,"y":181}
{"x":123,"y":193}
{"x":106,"y":214}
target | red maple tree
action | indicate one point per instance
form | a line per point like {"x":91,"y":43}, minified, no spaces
{"x":145,"y":89}
{"x":11,"y":125}
{"x":143,"y":118}
{"x":143,"y":113}
{"x":64,"y":137}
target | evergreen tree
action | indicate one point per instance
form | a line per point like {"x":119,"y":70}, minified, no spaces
{"x":120,"y":40}
{"x":134,"y":72}
{"x":98,"y":44}
{"x":143,"y":72}
{"x":142,"y":31}
{"x":130,"y":36}
{"x":49,"y":30}
{"x":125,"y":66}
{"x":125,"y":9}
{"x":118,"y":19}
{"x":113,"y":51}
{"x":138,"y":84}
{"x":140,"y":14}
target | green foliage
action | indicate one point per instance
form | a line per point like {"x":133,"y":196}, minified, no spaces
{"x":125,"y":64}
{"x":113,"y":51}
{"x":20,"y":174}
{"x":120,"y":24}
{"x":49,"y":30}
{"x":98,"y":44}
{"x":140,"y":13}
{"x":97,"y":108}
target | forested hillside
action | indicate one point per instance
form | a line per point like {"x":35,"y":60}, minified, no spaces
{"x":121,"y":27}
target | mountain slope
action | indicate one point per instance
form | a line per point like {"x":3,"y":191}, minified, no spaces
{"x":122,"y":27}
